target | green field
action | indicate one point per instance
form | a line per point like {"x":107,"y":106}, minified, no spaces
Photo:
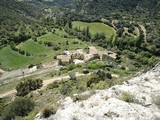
{"x":40,"y":53}
{"x":95,"y":27}
{"x":61,"y":32}
{"x":50,"y":37}
{"x":12,"y":60}
{"x":62,"y":41}
{"x":34,"y":47}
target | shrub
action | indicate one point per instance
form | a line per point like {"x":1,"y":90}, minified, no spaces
{"x":101,"y":85}
{"x":63,"y":70}
{"x":72,"y":76}
{"x":93,"y":79}
{"x":23,"y":88}
{"x":127,"y":97}
{"x":48,"y":112}
{"x":85,"y":71}
{"x":98,"y":76}
{"x":65,"y":89}
{"x":96,"y":65}
{"x":53,"y":73}
{"x":71,"y":66}
{"x":53,"y":85}
{"x":19,"y":107}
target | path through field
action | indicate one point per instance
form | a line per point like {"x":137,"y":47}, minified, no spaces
{"x":45,"y":83}
{"x":144,"y":32}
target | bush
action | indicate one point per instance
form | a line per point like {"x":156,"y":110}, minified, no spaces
{"x":96,"y":65}
{"x":128,"y":97}
{"x":93,"y":79}
{"x":101,"y":85}
{"x":53,"y":85}
{"x":85,"y":71}
{"x":23,"y":88}
{"x":71,"y":66}
{"x":53,"y":73}
{"x":19,"y":107}
{"x":72,"y":76}
{"x":48,"y":112}
{"x":65,"y":89}
{"x":98,"y":76}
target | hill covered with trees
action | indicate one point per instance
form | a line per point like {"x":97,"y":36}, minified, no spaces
{"x":19,"y":21}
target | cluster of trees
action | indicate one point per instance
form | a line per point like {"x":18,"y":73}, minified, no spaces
{"x":21,"y":21}
{"x":22,"y":52}
{"x":23,"y":88}
{"x":98,"y":76}
{"x":20,"y":107}
{"x":85,"y":35}
{"x":103,"y":7}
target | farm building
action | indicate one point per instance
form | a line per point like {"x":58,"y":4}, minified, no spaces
{"x":78,"y":54}
{"x":92,"y":51}
{"x":64,"y":59}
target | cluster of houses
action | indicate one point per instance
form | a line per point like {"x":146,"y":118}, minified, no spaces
{"x":81,"y":56}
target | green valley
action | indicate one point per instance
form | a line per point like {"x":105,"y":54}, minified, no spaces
{"x":57,"y":54}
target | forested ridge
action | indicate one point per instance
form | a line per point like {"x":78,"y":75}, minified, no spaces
{"x":144,"y":12}
{"x":18,"y":21}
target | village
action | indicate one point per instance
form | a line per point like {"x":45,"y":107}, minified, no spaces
{"x":84,"y":55}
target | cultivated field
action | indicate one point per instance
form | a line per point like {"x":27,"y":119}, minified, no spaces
{"x":39,"y":52}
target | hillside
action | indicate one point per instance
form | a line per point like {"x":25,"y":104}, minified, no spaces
{"x":18,"y":21}
{"x":144,"y":12}
{"x":100,"y":7}
{"x":79,"y":59}
{"x":49,"y":2}
{"x":137,"y":99}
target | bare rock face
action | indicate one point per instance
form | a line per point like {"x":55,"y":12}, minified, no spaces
{"x":134,"y":100}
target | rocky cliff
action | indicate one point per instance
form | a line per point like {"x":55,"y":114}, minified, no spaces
{"x":137,"y":99}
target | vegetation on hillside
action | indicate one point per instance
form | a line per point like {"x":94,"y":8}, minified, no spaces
{"x":33,"y":32}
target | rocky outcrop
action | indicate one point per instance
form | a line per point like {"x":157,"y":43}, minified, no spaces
{"x":134,"y":100}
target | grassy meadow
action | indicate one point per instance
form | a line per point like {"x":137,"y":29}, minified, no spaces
{"x":95,"y":27}
{"x":13,"y":60}
{"x":33,"y":47}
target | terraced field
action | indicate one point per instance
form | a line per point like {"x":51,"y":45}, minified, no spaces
{"x":12,"y":60}
{"x":95,"y":27}
{"x":39,"y":53}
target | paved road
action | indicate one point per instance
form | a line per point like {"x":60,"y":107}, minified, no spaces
{"x":45,"y":83}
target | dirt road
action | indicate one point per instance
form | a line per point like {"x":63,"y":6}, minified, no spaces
{"x":144,"y":32}
{"x":45,"y":83}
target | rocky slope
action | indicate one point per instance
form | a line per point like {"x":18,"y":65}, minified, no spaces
{"x":137,"y":99}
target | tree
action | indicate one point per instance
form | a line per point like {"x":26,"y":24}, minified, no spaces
{"x":23,"y":88}
{"x":87,"y":32}
{"x":70,"y":24}
{"x":19,"y":107}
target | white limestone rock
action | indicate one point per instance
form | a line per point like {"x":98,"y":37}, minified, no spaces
{"x":109,"y":105}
